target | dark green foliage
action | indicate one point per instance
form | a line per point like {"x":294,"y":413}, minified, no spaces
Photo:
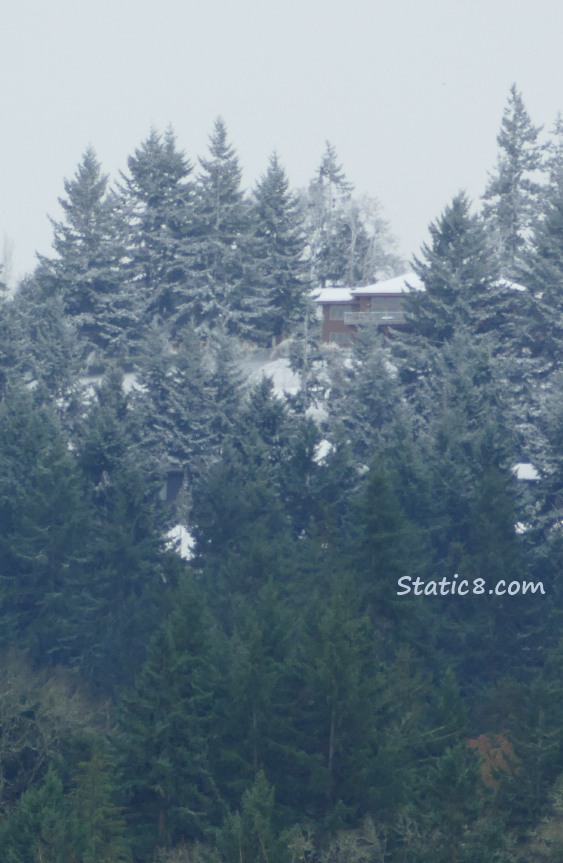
{"x":277,"y":299}
{"x":277,"y":698}
{"x":458,"y":272}
{"x":165,"y":726}
{"x":248,"y":836}
{"x":44,"y":516}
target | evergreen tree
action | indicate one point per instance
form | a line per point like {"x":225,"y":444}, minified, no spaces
{"x":50,"y":349}
{"x":222,"y":229}
{"x":542,"y":275}
{"x":248,"y":836}
{"x":349,"y":242}
{"x":278,"y":251}
{"x":44,"y":516}
{"x":167,"y":725}
{"x":459,"y":274}
{"x":111,"y":612}
{"x":87,"y":272}
{"x":328,"y":194}
{"x":157,"y":198}
{"x":512,"y":195}
{"x":177,"y":403}
{"x":100,"y":825}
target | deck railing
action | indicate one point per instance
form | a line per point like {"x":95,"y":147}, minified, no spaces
{"x":383,"y":317}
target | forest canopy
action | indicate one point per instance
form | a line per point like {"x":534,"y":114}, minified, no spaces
{"x":276,"y":695}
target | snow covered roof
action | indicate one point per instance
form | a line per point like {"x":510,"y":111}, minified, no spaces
{"x":526,"y":471}
{"x":333,"y":295}
{"x":397,"y":285}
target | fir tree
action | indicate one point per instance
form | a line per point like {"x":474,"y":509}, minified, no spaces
{"x":512,"y":194}
{"x":167,"y":723}
{"x":277,"y":299}
{"x":222,"y":227}
{"x":328,"y":193}
{"x":87,"y":273}
{"x":157,"y":198}
{"x":458,"y":273}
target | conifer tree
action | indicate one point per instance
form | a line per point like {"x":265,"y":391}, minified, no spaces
{"x":50,"y":347}
{"x":328,"y":193}
{"x":222,"y":228}
{"x":44,"y":516}
{"x":512,"y":195}
{"x":177,"y":403}
{"x":100,"y":832}
{"x":276,"y":301}
{"x":167,"y":724}
{"x":87,"y":273}
{"x":458,"y":272}
{"x":157,"y":199}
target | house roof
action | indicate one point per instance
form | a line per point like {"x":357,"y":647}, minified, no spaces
{"x":389,"y":287}
{"x":396,"y":286}
{"x":333,"y":295}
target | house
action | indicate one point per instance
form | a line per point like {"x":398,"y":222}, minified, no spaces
{"x":381,"y":304}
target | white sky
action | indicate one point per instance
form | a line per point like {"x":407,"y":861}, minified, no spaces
{"x":410,"y":93}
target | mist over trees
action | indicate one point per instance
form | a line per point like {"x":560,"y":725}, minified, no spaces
{"x":313,"y":682}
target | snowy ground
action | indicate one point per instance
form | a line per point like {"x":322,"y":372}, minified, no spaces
{"x":283,"y":378}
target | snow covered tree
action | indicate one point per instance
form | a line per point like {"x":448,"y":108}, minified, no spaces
{"x":349,"y":241}
{"x":554,"y":161}
{"x":87,"y":272}
{"x":543,"y":275}
{"x":222,"y":228}
{"x":458,"y":271}
{"x":176,"y":402}
{"x":512,"y":195}
{"x":157,"y":198}
{"x":275,"y":300}
{"x":50,"y":349}
{"x":328,"y":193}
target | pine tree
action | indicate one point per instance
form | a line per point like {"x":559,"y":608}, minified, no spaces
{"x":222,"y":228}
{"x":458,"y":272}
{"x":278,"y":250}
{"x":157,"y":199}
{"x":167,"y":726}
{"x":248,"y":836}
{"x":87,"y":271}
{"x":44,"y":515}
{"x":512,"y":195}
{"x":329,"y":192}
{"x":177,"y":403}
{"x":100,"y":826}
{"x":543,"y":274}
{"x":50,"y":346}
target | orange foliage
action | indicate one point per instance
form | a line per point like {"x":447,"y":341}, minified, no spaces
{"x":497,"y":758}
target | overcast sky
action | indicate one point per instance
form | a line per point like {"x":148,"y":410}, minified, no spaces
{"x":410,"y":93}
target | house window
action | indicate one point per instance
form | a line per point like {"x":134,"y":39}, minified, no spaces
{"x":337,"y":312}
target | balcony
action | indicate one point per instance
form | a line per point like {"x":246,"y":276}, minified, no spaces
{"x":395,"y":316}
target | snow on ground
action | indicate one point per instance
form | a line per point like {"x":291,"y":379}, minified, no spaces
{"x":525,"y":471}
{"x":322,"y":450}
{"x":181,"y":541}
{"x":284,"y":379}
